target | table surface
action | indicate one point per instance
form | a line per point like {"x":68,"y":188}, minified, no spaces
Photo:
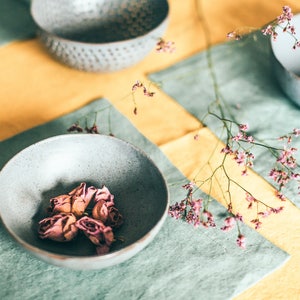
{"x":34,"y":95}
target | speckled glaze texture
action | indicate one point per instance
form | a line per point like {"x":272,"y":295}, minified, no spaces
{"x":100,"y":35}
{"x":56,"y":165}
{"x":286,"y":62}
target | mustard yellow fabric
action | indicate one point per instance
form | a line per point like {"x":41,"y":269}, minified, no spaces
{"x":36,"y":89}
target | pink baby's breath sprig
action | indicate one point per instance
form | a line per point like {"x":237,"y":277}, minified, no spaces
{"x":163,"y":46}
{"x":283,"y":21}
{"x":286,"y":166}
{"x":195,"y":211}
{"x":192,"y":210}
{"x":241,"y":241}
{"x":138,"y":85}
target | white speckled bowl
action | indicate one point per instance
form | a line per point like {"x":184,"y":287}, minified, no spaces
{"x":57,"y":165}
{"x":286,"y":61}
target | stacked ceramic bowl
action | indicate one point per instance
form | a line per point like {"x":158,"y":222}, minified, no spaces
{"x":100,"y":35}
{"x":286,"y":60}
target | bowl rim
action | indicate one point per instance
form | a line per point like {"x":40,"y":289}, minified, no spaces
{"x":133,"y":247}
{"x":52,"y":35}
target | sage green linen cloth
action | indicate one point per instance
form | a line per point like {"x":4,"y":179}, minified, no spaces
{"x":181,"y":262}
{"x":244,"y":75}
{"x":16,"y":22}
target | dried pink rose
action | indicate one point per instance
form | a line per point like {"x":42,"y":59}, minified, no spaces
{"x":100,"y":211}
{"x":99,"y":234}
{"x":81,"y":196}
{"x":60,"y":204}
{"x":108,"y":215}
{"x":60,"y":227}
{"x":105,"y":195}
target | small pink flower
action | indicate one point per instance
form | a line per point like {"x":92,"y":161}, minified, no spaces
{"x":92,"y":129}
{"x":233,"y":35}
{"x":227,"y":150}
{"x":197,"y":206}
{"x":210,"y":222}
{"x":163,"y":46}
{"x":60,"y":227}
{"x":189,"y":186}
{"x":257,"y":223}
{"x":238,"y":137}
{"x":241,"y":241}
{"x":239,"y":217}
{"x":250,"y":198}
{"x":137,"y":85}
{"x":280,"y":196}
{"x":296,"y":131}
{"x":286,"y":157}
{"x":249,"y":139}
{"x":269,"y":30}
{"x":240,"y":157}
{"x":265,"y":213}
{"x":177,"y":210}
{"x":229,"y":223}
{"x":244,"y":127}
{"x":277,"y":210}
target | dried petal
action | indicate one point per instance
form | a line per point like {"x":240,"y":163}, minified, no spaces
{"x":60,"y":204}
{"x":104,"y":194}
{"x":81,"y":197}
{"x":100,"y":211}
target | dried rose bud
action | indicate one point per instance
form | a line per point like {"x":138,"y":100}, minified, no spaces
{"x":100,"y":211}
{"x":60,"y":204}
{"x":80,"y":198}
{"x":104,"y":194}
{"x":110,"y":215}
{"x":60,"y":227}
{"x":114,"y":218}
{"x":96,"y":231}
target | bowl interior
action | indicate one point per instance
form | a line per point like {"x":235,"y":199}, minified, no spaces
{"x":57,"y":165}
{"x":99,"y":21}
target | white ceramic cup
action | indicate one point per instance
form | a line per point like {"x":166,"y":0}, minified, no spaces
{"x":286,"y":60}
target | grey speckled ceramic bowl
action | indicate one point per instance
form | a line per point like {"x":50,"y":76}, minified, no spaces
{"x":57,"y":165}
{"x":100,"y":35}
{"x":286,"y":61}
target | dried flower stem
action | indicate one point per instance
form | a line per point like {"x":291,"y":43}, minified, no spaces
{"x":238,"y":146}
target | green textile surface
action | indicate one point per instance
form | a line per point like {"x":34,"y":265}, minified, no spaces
{"x":244,"y":74}
{"x":15,"y":21}
{"x":181,"y":261}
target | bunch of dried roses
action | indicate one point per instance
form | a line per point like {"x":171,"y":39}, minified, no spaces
{"x":87,"y":209}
